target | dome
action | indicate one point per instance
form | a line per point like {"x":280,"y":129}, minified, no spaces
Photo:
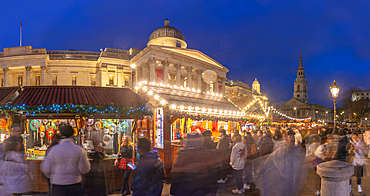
{"x":255,"y":81}
{"x":166,"y":31}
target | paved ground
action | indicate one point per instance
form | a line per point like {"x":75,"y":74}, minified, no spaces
{"x":309,"y":189}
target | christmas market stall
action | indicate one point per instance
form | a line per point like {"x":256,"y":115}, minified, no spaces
{"x":7,"y":94}
{"x":105,"y":114}
{"x":179,"y":111}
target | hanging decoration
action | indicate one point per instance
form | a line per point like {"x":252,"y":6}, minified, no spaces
{"x":34,"y":125}
{"x":98,"y":125}
{"x":90,"y":122}
{"x":124,"y":126}
{"x":50,"y":133}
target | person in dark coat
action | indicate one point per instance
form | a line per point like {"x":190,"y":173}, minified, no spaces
{"x":342,"y":153}
{"x":96,"y":176}
{"x":126,"y":156}
{"x":149,"y":175}
{"x":207,"y":140}
{"x":193,"y":173}
{"x":265,"y":145}
{"x":224,"y":149}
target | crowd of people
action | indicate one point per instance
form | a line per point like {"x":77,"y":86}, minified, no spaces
{"x":271,"y":159}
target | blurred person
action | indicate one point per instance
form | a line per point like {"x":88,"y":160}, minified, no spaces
{"x":265,"y":145}
{"x":366,"y":136}
{"x":207,"y":140}
{"x":277,"y":139}
{"x":223,"y":146}
{"x":54,"y":142}
{"x":65,"y":165}
{"x":125,"y":157}
{"x":17,"y":174}
{"x":357,"y":152}
{"x":149,"y":175}
{"x":96,"y":175}
{"x":283,"y":172}
{"x":251,"y":150}
{"x":194,"y":170}
{"x":342,"y":152}
{"x":298,"y":137}
{"x":237,"y":161}
{"x":259,"y":136}
{"x":254,"y":136}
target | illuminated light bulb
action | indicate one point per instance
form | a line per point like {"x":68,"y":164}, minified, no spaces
{"x":234,"y":112}
{"x":212,"y":94}
{"x":198,"y":91}
{"x":182,"y":88}
{"x":182,"y":107}
{"x":208,"y":93}
{"x":209,"y":110}
{"x":204,"y":109}
{"x":150,"y":93}
{"x":157,"y":84}
{"x":136,"y":88}
{"x":175,"y":86}
{"x":187,"y":89}
{"x":150,"y":83}
{"x":145,"y":82}
{"x":163,"y":101}
{"x":215,"y":110}
{"x":173,"y":106}
{"x":221,"y":95}
{"x":220,"y":111}
{"x":160,"y":84}
{"x":156,"y":97}
{"x":190,"y":108}
{"x":197,"y":108}
{"x":238,"y":113}
{"x":139,"y":84}
{"x":194,"y":90}
{"x":225,"y":111}
{"x":145,"y":88}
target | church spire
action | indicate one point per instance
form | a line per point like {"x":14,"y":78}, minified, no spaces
{"x":300,"y":60}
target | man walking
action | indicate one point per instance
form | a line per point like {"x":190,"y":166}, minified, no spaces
{"x":149,"y":174}
{"x":65,"y":165}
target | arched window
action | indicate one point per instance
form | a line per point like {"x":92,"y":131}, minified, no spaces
{"x":298,"y":88}
{"x":178,"y":44}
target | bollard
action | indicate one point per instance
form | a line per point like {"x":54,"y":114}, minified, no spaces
{"x":335,"y":178}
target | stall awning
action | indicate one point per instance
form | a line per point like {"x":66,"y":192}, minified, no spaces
{"x":6,"y":93}
{"x":99,"y":96}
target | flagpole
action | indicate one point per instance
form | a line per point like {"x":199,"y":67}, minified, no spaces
{"x":20,"y":37}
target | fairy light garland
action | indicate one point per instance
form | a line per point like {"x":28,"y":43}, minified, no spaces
{"x":286,"y":116}
{"x":188,"y":110}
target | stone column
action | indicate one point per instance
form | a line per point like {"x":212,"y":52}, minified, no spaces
{"x":223,"y":86}
{"x":166,"y":65}
{"x":199,"y":79}
{"x":335,"y":177}
{"x":145,"y":71}
{"x":215,"y":86}
{"x":152,"y":70}
{"x":28,"y":76}
{"x":178,"y":75}
{"x":130,"y":79}
{"x":98,"y":77}
{"x":189,"y":71}
{"x":6,"y":71}
{"x":43,"y":76}
{"x":173,"y":82}
{"x":208,"y":87}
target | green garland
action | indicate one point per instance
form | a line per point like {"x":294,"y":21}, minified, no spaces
{"x":78,"y":109}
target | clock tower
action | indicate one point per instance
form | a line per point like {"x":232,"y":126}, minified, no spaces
{"x":300,"y":83}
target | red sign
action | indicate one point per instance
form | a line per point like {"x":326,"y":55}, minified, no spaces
{"x":219,"y":88}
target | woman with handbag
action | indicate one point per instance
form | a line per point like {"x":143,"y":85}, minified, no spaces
{"x":357,"y":152}
{"x":15,"y":171}
{"x":126,"y":157}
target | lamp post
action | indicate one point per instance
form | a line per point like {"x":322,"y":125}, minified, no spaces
{"x":334,"y":89}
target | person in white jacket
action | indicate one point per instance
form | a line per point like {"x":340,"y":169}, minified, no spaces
{"x":237,"y":161}
{"x":65,"y":164}
{"x":298,"y":137}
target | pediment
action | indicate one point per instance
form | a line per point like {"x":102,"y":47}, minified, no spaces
{"x":195,"y":54}
{"x":293,"y":103}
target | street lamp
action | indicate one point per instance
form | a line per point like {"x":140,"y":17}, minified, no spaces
{"x":334,"y":89}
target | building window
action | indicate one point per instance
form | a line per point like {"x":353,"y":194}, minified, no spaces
{"x":2,"y":82}
{"x":178,"y":44}
{"x":111,"y":80}
{"x":54,"y":82}
{"x":93,"y":81}
{"x":38,"y":81}
{"x":126,"y":83}
{"x":297,"y":95}
{"x":20,"y":80}
{"x":74,"y":80}
{"x":298,"y":88}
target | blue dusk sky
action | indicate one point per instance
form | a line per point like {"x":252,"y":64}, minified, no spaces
{"x":253,"y":38}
